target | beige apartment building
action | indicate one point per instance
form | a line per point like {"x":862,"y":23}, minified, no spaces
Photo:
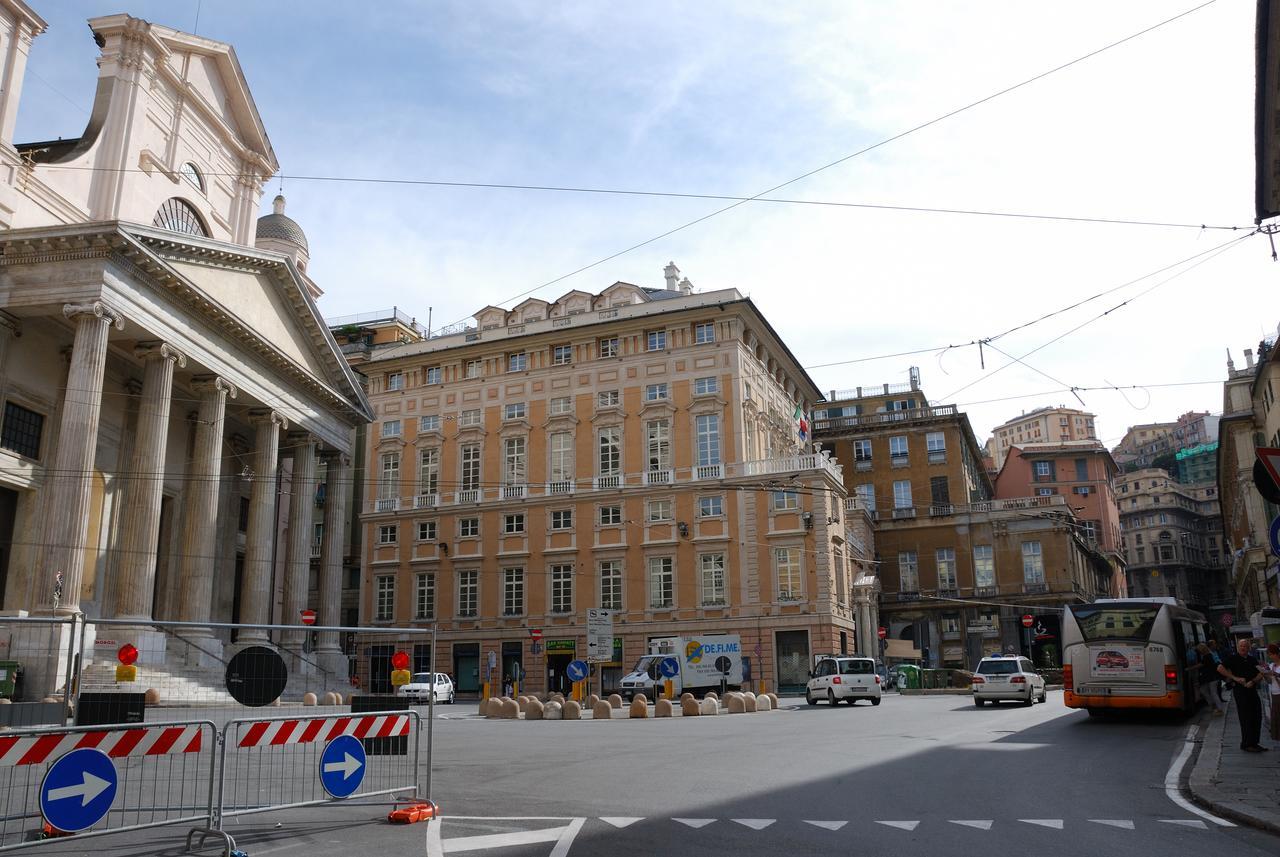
{"x":1043,"y":425}
{"x":641,"y":450}
{"x":958,"y":568}
{"x":1143,"y":444}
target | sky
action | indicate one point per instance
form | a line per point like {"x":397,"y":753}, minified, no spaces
{"x":734,"y":98}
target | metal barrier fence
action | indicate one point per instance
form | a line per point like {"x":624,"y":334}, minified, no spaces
{"x":97,"y":780}
{"x":38,"y":662}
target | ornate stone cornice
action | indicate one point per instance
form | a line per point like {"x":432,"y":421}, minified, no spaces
{"x":96,"y":309}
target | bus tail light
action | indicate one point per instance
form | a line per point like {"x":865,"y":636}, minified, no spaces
{"x":1018,"y":679}
{"x":835,"y":679}
{"x":1067,"y":677}
{"x":1170,"y":676}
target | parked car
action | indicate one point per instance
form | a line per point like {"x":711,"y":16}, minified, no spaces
{"x":419,"y":688}
{"x":839,"y":678}
{"x":1010,"y":677}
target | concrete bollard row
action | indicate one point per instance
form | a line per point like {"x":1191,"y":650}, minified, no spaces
{"x":602,"y":710}
{"x":764,"y":703}
{"x":710,"y":707}
{"x":735,"y":703}
{"x":663,"y":708}
{"x":553,"y":711}
{"x":592,"y":699}
{"x":615,"y":700}
{"x":510,"y":709}
{"x":773,"y":697}
{"x":639,"y":707}
{"x":572,"y":710}
{"x":749,"y":701}
{"x":534,"y":710}
{"x":689,"y":706}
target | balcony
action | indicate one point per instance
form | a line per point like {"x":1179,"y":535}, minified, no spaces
{"x":938,"y":456}
{"x":426,"y":501}
{"x":659,"y":477}
{"x":836,"y":424}
{"x":469,"y":495}
{"x":941,"y":510}
{"x":948,"y":592}
{"x":315,"y":551}
{"x":862,"y":465}
{"x":904,"y":512}
{"x":604,"y":483}
{"x":562,"y":488}
{"x":708,"y":471}
{"x":985,"y":591}
{"x":386,"y":504}
{"x":515,"y":491}
{"x":899,"y":460}
{"x":1035,"y":588}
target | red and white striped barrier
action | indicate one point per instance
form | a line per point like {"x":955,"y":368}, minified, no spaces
{"x":275,"y":733}
{"x":116,"y":743}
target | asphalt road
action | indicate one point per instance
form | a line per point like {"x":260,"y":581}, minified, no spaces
{"x":916,"y":775}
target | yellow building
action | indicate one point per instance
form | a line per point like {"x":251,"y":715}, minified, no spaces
{"x":638,"y":450}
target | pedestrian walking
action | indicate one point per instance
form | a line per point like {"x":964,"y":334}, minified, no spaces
{"x":1216,"y":653}
{"x":1207,"y":677}
{"x":1272,"y":669}
{"x":1242,"y":672}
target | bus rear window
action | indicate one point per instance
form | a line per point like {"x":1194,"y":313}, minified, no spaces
{"x":1115,"y":622}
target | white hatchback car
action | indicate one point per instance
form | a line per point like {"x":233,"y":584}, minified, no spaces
{"x":838,"y":677}
{"x":419,"y":688}
{"x":1010,"y":677}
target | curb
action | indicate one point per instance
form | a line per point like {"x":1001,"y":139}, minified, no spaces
{"x":1203,"y":782}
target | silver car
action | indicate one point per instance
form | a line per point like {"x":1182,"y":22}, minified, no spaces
{"x":1010,"y":677}
{"x":419,"y":688}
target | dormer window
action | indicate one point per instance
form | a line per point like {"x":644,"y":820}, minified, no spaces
{"x":191,"y":175}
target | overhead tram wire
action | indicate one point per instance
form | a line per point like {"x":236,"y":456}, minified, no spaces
{"x":1215,"y":252}
{"x":900,"y":135}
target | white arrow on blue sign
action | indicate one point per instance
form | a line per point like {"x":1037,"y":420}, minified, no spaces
{"x":1275,"y":536}
{"x":576,"y":670}
{"x":670,"y":667}
{"x":78,"y":790}
{"x":342,"y":766}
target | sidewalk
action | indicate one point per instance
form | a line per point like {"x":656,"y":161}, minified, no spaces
{"x":1244,"y":787}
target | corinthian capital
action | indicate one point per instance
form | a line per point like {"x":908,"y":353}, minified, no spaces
{"x":95,"y":309}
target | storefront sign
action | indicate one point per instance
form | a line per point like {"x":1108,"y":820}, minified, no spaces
{"x":569,"y":646}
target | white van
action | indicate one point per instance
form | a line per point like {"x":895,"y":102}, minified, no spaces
{"x":839,"y":677}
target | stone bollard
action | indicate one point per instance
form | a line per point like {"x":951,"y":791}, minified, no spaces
{"x":534,"y":710}
{"x":736,"y":705}
{"x":710,"y":706}
{"x":642,"y":698}
{"x":750,"y":702}
{"x":492,"y":707}
{"x":510,"y":710}
{"x":616,"y":701}
{"x":662,"y":708}
{"x":572,"y":710}
{"x":686,"y":695}
{"x":602,"y":710}
{"x":152,"y":697}
{"x":773,"y":697}
{"x":689,"y":706}
{"x":711,"y":694}
{"x":523,"y":702}
{"x":764,"y":703}
{"x":639,"y":707}
{"x":308,"y":698}
{"x":557,"y":697}
{"x":592,"y":699}
{"x":553,"y":711}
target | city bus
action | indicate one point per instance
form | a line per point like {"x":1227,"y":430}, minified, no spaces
{"x":1131,"y":653}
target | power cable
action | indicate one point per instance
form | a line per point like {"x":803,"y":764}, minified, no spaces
{"x":900,"y":135}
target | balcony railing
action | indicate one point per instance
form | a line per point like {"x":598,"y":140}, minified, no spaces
{"x":809,"y":464}
{"x":939,"y":510}
{"x":659,"y":477}
{"x":886,"y":418}
{"x":938,"y":456}
{"x":315,"y":551}
{"x":905,"y":512}
{"x":1035,"y":588}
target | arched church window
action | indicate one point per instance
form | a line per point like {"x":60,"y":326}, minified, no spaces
{"x":191,"y":173}
{"x":177,"y":215}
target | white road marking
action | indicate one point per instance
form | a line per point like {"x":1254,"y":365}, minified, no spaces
{"x":501,"y":840}
{"x":901,"y":825}
{"x":566,"y":839}
{"x":1055,"y":823}
{"x":1123,"y":823}
{"x":438,"y":846}
{"x":1173,"y":776}
{"x":1187,"y":822}
{"x":755,"y":823}
{"x":695,"y":823}
{"x":827,"y":825}
{"x":619,"y":822}
{"x":980,"y":824}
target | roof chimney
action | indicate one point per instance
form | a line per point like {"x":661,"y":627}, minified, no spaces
{"x":686,"y":287}
{"x":672,"y":274}
{"x":1248,"y":358}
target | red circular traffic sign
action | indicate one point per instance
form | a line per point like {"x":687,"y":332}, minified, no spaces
{"x":536,"y":633}
{"x":882,"y":633}
{"x":308,"y":616}
{"x":127,"y":654}
{"x":400,"y":661}
{"x":1028,"y":620}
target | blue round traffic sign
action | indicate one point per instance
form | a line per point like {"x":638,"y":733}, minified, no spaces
{"x":78,"y":790}
{"x":342,"y":766}
{"x":669,"y":667}
{"x":1275,"y":536}
{"x":576,"y":670}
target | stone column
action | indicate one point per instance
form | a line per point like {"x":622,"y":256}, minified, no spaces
{"x":134,"y":583}
{"x":200,"y":511}
{"x":10,"y":329}
{"x":255,"y":593}
{"x":71,"y":477}
{"x":301,"y":503}
{"x":337,"y":487}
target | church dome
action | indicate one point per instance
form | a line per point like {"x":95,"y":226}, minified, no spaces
{"x":279,"y":227}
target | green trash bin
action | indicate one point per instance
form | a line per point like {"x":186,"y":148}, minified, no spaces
{"x":911,"y":674}
{"x":8,"y":678}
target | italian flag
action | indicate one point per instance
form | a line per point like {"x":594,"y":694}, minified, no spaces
{"x":802,"y":423}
